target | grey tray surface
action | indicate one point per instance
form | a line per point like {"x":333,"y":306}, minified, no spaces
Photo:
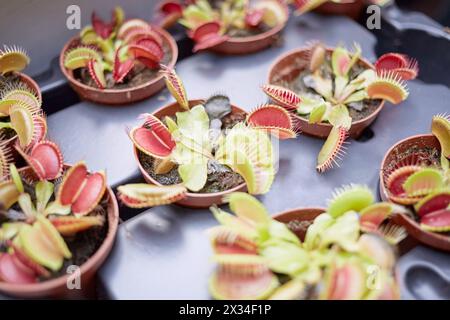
{"x":424,"y":273}
{"x":164,"y":252}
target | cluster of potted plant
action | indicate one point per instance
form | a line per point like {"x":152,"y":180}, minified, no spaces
{"x":415,"y":173}
{"x":22,"y":120}
{"x":199,"y":150}
{"x":228,"y":26}
{"x":350,"y":8}
{"x":342,"y":252}
{"x":53,"y":217}
{"x":117,"y":62}
{"x":335,"y":93}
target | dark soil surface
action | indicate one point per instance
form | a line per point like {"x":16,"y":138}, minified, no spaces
{"x":82,"y":245}
{"x":139,"y":75}
{"x":220,"y":177}
{"x":297,"y":85}
{"x":415,"y":155}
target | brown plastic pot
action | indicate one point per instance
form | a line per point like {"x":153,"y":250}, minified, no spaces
{"x":116,"y":97}
{"x":57,"y":288}
{"x":432,"y":239}
{"x":299,"y":220}
{"x":192,"y":200}
{"x":287,"y":69}
{"x":352,"y":10}
{"x":251,"y":44}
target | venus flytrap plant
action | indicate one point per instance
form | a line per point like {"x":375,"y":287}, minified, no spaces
{"x":425,"y":188}
{"x":342,"y":244}
{"x":212,"y":23}
{"x":303,"y":6}
{"x":38,"y":214}
{"x":21,"y":114}
{"x":111,"y":52}
{"x":334,"y":84}
{"x":204,"y":140}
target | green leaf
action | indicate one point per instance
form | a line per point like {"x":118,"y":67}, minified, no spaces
{"x":339,"y":117}
{"x":343,"y":232}
{"x":234,"y":223}
{"x":314,"y":232}
{"x":10,"y":229}
{"x":423,"y":182}
{"x":356,"y":97}
{"x":194,"y":124}
{"x":340,"y":83}
{"x":171,"y":125}
{"x":440,"y":127}
{"x":286,"y":258}
{"x":248,"y":151}
{"x":44,"y":191}
{"x":317,"y":114}
{"x":279,"y":231}
{"x":323,"y":86}
{"x":308,"y":104}
{"x":55,"y":207}
{"x":248,"y":208}
{"x":15,"y":176}
{"x":363,"y":79}
{"x":340,"y":62}
{"x":27,"y":206}
{"x":197,"y":14}
{"x":195,"y":174}
{"x":350,"y":198}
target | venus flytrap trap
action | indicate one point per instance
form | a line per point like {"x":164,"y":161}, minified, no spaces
{"x":21,"y":115}
{"x":211,"y":23}
{"x":114,"y":54}
{"x":335,"y":88}
{"x":424,"y":187}
{"x":261,"y":258}
{"x":43,"y":210}
{"x":207,"y":147}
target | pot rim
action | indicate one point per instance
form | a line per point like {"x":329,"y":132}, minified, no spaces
{"x":328,"y":48}
{"x":188,"y":194}
{"x":69,"y":73}
{"x":269,"y":33}
{"x":101,"y":253}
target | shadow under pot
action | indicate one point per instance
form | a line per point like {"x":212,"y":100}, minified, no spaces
{"x":57,"y":286}
{"x":124,"y":94}
{"x":424,"y":149}
{"x":299,"y":220}
{"x":192,"y":199}
{"x":288,"y":70}
{"x":253,"y":43}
